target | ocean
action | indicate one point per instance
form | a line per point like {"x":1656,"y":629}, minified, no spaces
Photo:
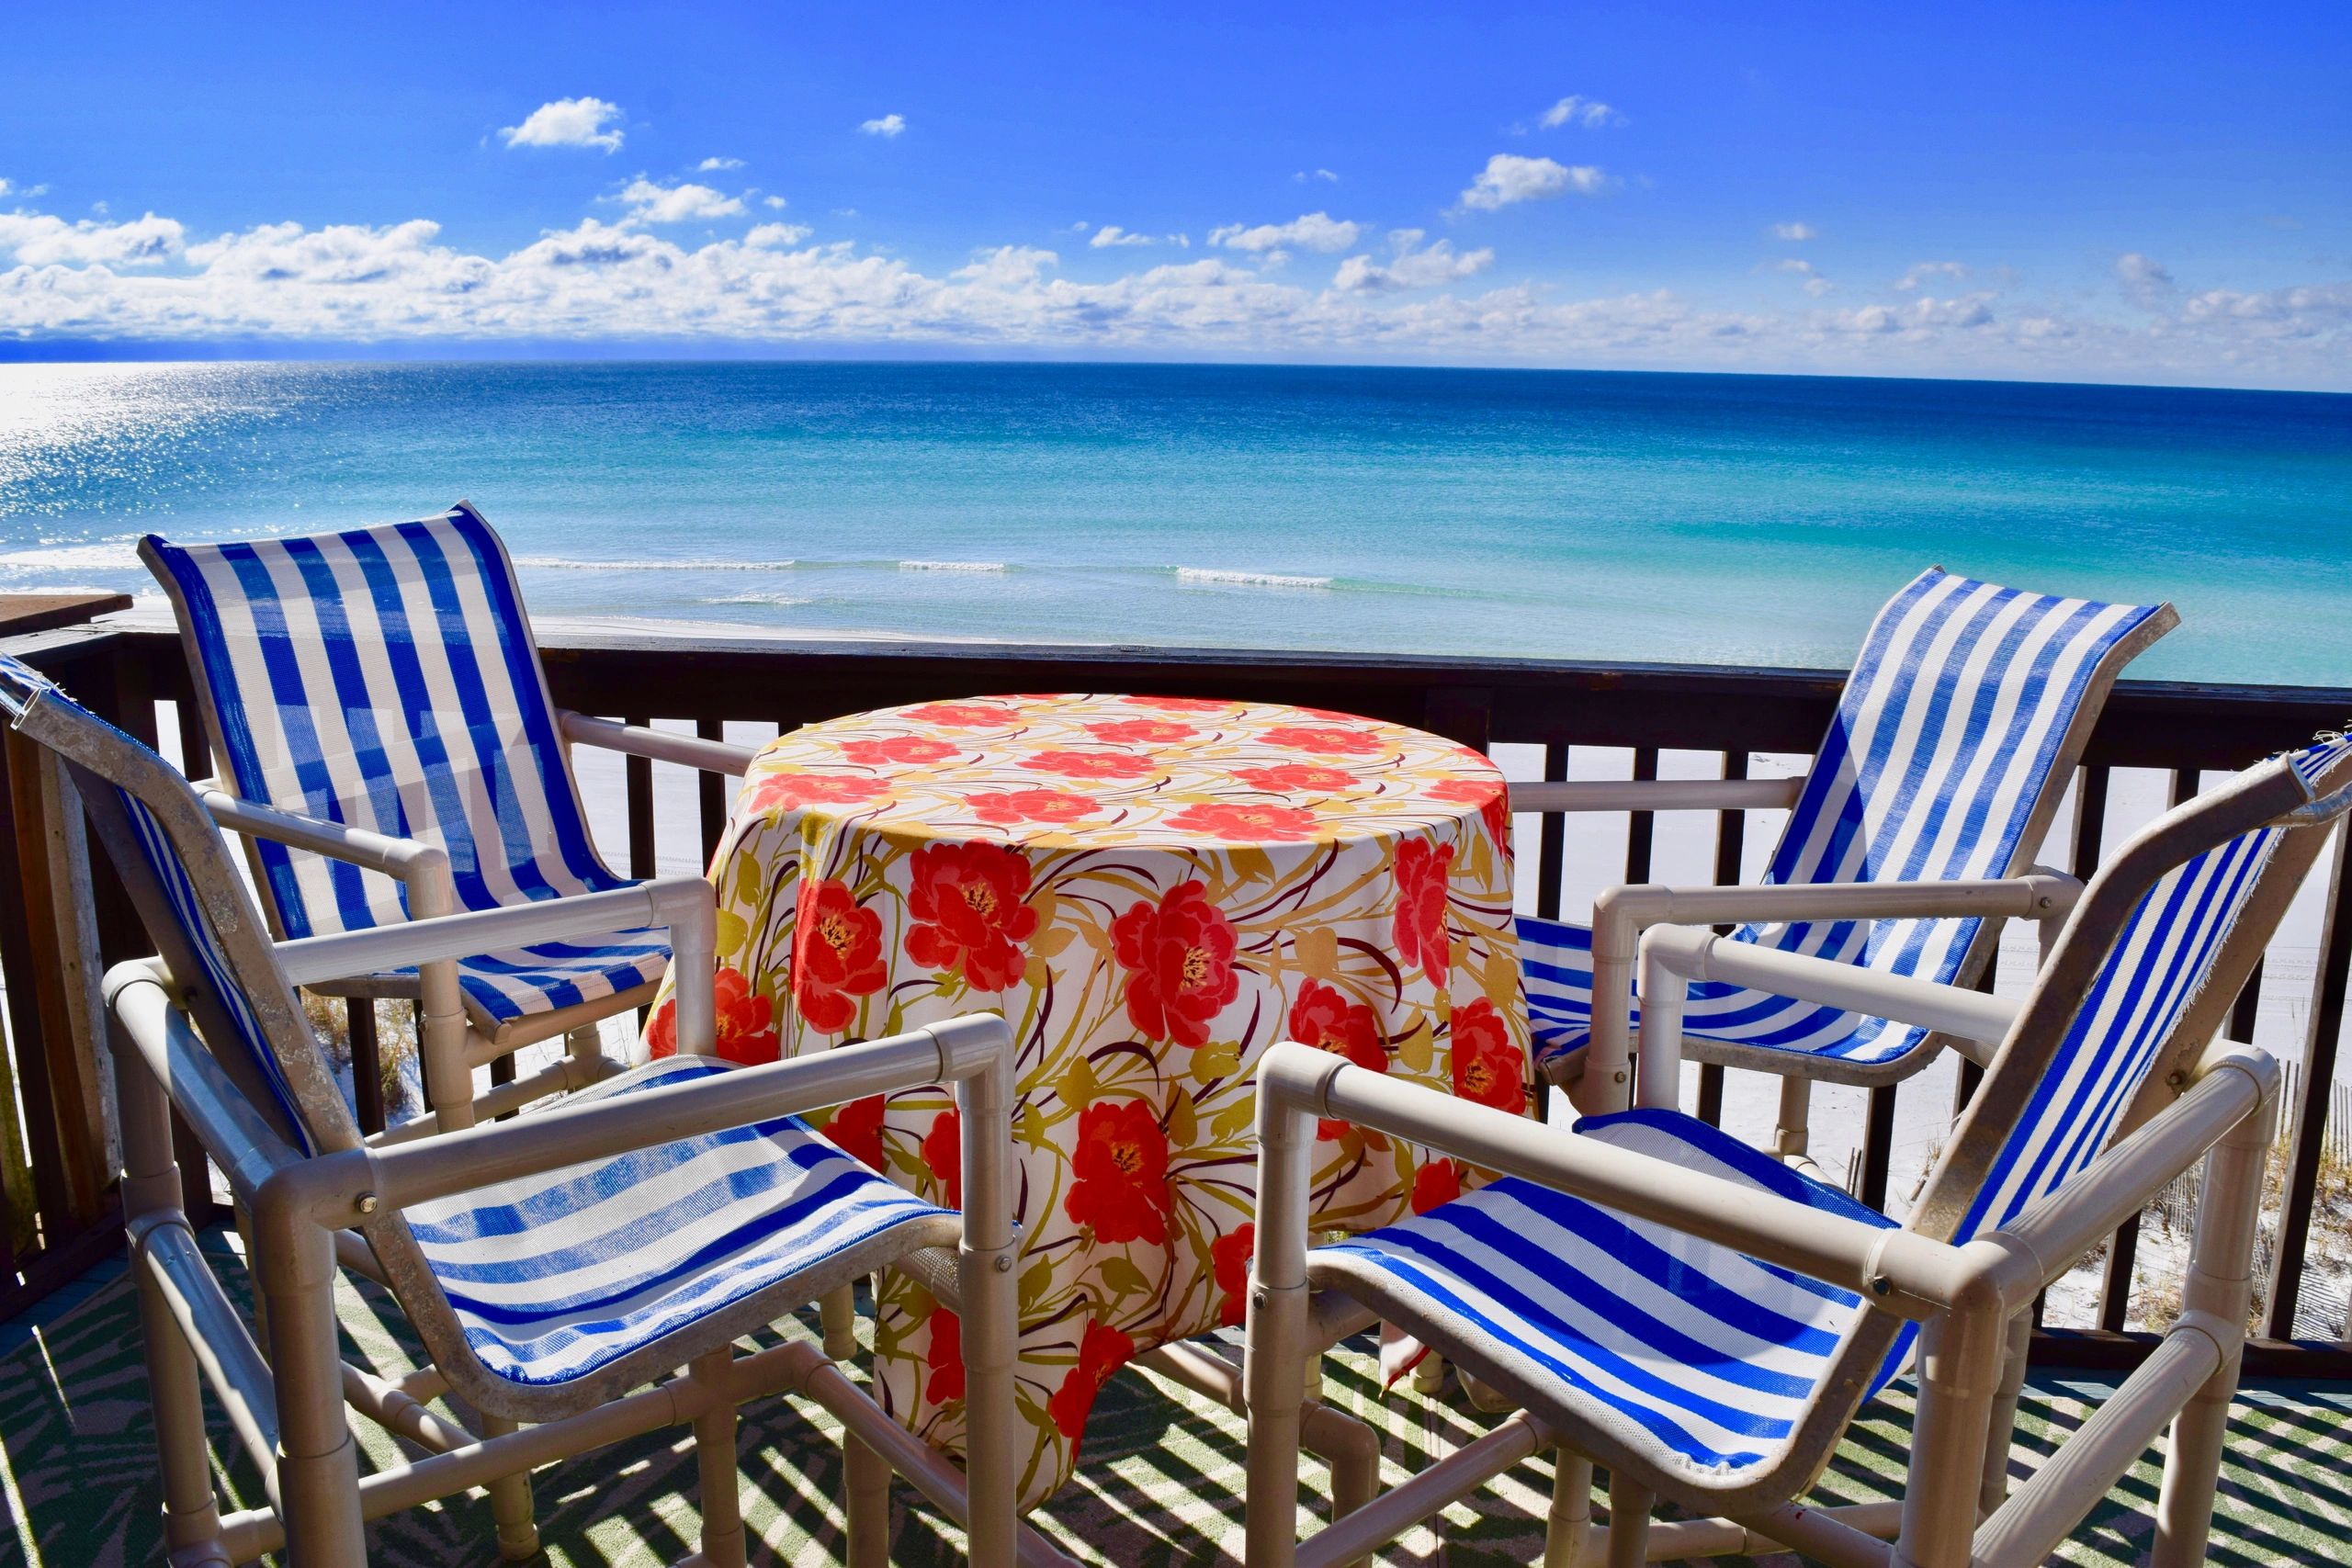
{"x":1714,"y":519}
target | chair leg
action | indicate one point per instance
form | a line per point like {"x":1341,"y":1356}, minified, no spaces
{"x":868,"y":1478}
{"x":1629,"y":1522}
{"x":1794,"y":1132}
{"x":723,"y":1545}
{"x":317,"y":1458}
{"x":837,"y":1313}
{"x":2001,"y":1431}
{"x":152,"y":1181}
{"x":1570,"y":1525}
{"x":1960,"y":1368}
{"x":510,"y":1503}
{"x":2219,"y":1289}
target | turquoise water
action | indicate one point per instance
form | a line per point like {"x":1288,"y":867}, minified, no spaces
{"x":1750,"y":520}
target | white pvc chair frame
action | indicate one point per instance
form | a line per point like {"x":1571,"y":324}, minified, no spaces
{"x":448,"y":1045}
{"x":1972,"y":1302}
{"x":1598,"y":1077}
{"x":312,"y":1214}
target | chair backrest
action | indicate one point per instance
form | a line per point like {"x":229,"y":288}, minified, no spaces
{"x":385,"y":678}
{"x":177,"y":866}
{"x":1952,"y":747}
{"x":2139,"y":980}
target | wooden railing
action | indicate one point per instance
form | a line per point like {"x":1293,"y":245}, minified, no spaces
{"x":1556,"y":708}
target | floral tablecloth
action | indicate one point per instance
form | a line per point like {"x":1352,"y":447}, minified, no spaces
{"x":1152,"y":890}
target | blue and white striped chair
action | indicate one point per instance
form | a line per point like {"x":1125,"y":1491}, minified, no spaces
{"x":392,"y":752}
{"x":549,"y":1264}
{"x":1952,"y":745}
{"x":1706,"y":1322}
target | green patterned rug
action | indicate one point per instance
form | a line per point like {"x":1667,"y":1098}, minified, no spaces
{"x":1160,"y":1478}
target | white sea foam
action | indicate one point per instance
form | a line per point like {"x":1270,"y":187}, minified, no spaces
{"x":113,"y":555}
{"x":565,"y":563}
{"x":762,"y":599}
{"x":1248,"y":578}
{"x":951,"y":566}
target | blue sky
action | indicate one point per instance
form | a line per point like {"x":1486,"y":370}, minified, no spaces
{"x":2146,"y":193}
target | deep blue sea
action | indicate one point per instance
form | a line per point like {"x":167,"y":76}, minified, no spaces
{"x":1731,"y":519}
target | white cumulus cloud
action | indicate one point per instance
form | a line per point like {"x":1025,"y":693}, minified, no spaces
{"x":1410,"y":266}
{"x":1590,"y":113}
{"x":1112,"y":234}
{"x":1326,"y":175}
{"x":1795,"y":232}
{"x":1920,"y":273}
{"x":1814,"y":284}
{"x":569,"y":122}
{"x":715,"y":165}
{"x":1312,"y":232}
{"x":1509,"y":178}
{"x":682,"y":203}
{"x":887,"y":125}
{"x":40,"y":239}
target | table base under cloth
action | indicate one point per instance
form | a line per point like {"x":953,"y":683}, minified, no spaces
{"x":866,"y":886}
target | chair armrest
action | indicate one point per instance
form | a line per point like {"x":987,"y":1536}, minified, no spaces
{"x":1674,"y":955}
{"x":1896,"y":1268}
{"x":665,"y":901}
{"x":710,"y":756}
{"x":1654,"y":794}
{"x":371,"y":850}
{"x":1620,"y":914}
{"x":973,"y":1050}
{"x":2088,"y":1207}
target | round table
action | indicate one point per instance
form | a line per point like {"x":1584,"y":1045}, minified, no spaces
{"x":1151,"y":890}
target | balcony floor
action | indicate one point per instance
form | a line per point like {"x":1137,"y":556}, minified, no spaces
{"x":1160,"y":1481}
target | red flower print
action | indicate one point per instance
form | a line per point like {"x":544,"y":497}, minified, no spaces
{"x":786,"y":792}
{"x":856,"y":1129}
{"x":836,"y":955}
{"x":1178,"y":958}
{"x":961,"y":715}
{"x":1246,"y":824}
{"x":966,"y":901}
{"x":898,"y":748}
{"x":1102,"y":1352}
{"x":943,"y":1151}
{"x":1490,"y":799}
{"x":1285,"y":777}
{"x":1031,"y":806}
{"x":1437,"y":1182}
{"x":747,"y":1032}
{"x":1091,"y":764}
{"x":946,"y":1357}
{"x":1121,"y":1168}
{"x":1421,"y":870}
{"x":1487,"y":1068}
{"x":1229,"y":1257}
{"x":1323,"y":738}
{"x":1140,"y":732}
{"x":1324,"y":1017}
{"x":1183,"y":705}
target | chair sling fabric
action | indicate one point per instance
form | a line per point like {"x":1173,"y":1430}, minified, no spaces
{"x":386,"y":679}
{"x":1710,"y":1357}
{"x":546,"y":1281}
{"x":1946,"y":740}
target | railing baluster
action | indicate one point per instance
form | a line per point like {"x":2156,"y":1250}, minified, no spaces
{"x":639,"y":775}
{"x":712,"y":792}
{"x":1642,"y":827}
{"x":2310,"y":1114}
{"x":1552,"y":843}
{"x":367,"y":1063}
{"x":1731,"y":846}
{"x":196,"y":750}
{"x":1878,"y":1144}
